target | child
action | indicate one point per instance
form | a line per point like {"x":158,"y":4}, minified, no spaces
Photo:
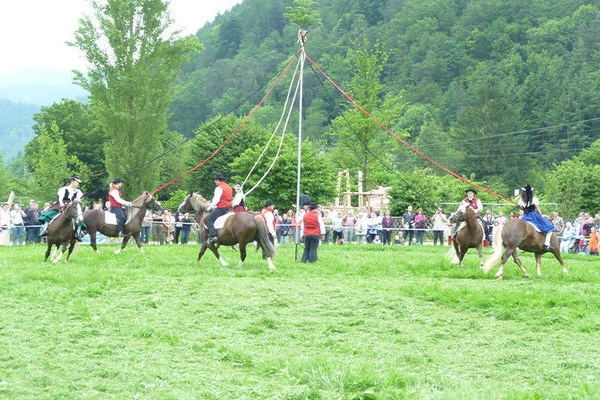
{"x":593,"y":246}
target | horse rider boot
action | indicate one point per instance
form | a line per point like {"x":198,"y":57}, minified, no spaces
{"x":530,"y":206}
{"x":117,"y":203}
{"x":220,"y":205}
{"x":469,"y":201}
{"x":65,"y":195}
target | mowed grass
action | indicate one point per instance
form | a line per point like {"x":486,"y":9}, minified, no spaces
{"x":363,"y":323}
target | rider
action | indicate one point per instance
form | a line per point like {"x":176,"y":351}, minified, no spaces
{"x":239,"y":200}
{"x":269,"y":216}
{"x":116,"y":204}
{"x":470,"y":201}
{"x":65,"y":194}
{"x":220,"y":205}
{"x":529,"y":204}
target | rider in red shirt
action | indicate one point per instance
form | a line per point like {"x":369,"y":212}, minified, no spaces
{"x":220,"y":205}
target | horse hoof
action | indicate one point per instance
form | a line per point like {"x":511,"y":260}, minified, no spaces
{"x":499,"y":277}
{"x":526,"y":275}
{"x":118,"y":251}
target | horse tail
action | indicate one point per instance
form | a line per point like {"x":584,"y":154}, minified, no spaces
{"x":498,"y":247}
{"x":263,"y":237}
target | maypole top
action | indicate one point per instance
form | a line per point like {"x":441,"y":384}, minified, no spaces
{"x":302,"y":36}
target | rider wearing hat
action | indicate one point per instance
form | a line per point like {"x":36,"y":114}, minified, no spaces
{"x":267,"y":213}
{"x":530,"y":206}
{"x":468,"y":202}
{"x":220,"y":205}
{"x":239,"y":200}
{"x":117,"y":202}
{"x":65,"y":195}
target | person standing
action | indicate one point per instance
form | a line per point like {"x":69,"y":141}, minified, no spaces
{"x":17,"y":222}
{"x":220,"y":204}
{"x":5,"y":225}
{"x":488,"y":226}
{"x":269,"y":217}
{"x":440,"y":222}
{"x":312,"y":229}
{"x":146,"y":224}
{"x":387,"y":224}
{"x":420,"y":225}
{"x":116,"y":204}
{"x":32,"y":222}
{"x":336,"y":227}
{"x":178,"y":227}
{"x":186,"y":227}
{"x":408,"y":219}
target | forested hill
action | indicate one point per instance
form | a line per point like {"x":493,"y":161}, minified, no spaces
{"x":470,"y":73}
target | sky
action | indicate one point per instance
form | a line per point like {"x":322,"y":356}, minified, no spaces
{"x":33,"y":32}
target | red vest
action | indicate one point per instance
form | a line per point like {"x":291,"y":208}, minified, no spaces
{"x":226,"y":195}
{"x":311,"y":223}
{"x":111,"y":200}
{"x":473,"y":204}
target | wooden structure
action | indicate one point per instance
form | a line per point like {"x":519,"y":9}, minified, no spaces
{"x":374,"y":200}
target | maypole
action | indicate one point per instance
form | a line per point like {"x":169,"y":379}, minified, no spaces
{"x":301,"y":40}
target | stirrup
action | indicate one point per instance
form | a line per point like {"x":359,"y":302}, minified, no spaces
{"x":212,"y":239}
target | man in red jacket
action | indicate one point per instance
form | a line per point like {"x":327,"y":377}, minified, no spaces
{"x":312,"y":228}
{"x":220,"y":204}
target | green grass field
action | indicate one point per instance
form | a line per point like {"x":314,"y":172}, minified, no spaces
{"x":363,"y":323}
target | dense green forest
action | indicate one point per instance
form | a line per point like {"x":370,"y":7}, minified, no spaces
{"x":503,"y":91}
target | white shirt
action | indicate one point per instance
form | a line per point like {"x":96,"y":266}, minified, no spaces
{"x":439,"y":221}
{"x":115,"y":195}
{"x":216,"y":197}
{"x":237,"y":199}
{"x":16,"y":217}
{"x":270,"y":219}
{"x":72,"y":193}
{"x":464,"y":204}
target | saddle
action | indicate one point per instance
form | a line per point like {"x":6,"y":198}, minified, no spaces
{"x":220,"y":222}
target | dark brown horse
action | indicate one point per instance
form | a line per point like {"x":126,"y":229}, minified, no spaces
{"x":242,"y":228}
{"x":96,"y":222}
{"x":518,"y":234}
{"x":469,"y":235}
{"x":61,"y":231}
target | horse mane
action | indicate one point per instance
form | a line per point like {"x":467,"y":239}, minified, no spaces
{"x":198,"y":200}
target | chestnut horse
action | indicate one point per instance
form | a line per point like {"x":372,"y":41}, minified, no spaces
{"x":61,"y":231}
{"x":516,"y":233}
{"x":95,"y":222}
{"x":469,"y":237}
{"x":242,"y":228}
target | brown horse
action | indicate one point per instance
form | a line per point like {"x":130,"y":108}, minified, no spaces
{"x":242,"y":228}
{"x":61,"y":231}
{"x":516,"y":233}
{"x":468,"y":237}
{"x":96,"y":222}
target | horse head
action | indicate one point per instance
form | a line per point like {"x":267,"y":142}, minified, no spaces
{"x":150,"y":202}
{"x":457,"y":217}
{"x":74,"y":211}
{"x":193,"y":202}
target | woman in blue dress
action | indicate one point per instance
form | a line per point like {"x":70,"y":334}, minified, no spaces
{"x":529,"y":204}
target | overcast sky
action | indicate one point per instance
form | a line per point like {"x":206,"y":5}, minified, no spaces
{"x":33,"y":32}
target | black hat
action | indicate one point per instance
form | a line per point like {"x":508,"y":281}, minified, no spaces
{"x":471,"y":190}
{"x":313,"y":205}
{"x":268,"y":203}
{"x":117,"y":180}
{"x":219,"y":177}
{"x":74,"y":178}
{"x":304,"y":200}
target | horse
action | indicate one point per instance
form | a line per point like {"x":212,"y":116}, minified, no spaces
{"x":96,"y":222}
{"x":61,"y":231}
{"x":469,"y":237}
{"x":516,"y":233}
{"x":241,"y":228}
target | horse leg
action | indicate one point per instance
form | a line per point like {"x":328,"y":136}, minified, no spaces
{"x":242,"y":254}
{"x":556,"y":253}
{"x":71,"y":246}
{"x":509,"y":252}
{"x":93,"y":240}
{"x":125,"y":240}
{"x":461,"y":255}
{"x":216,"y":253}
{"x":538,"y":263}
{"x":48,"y":250}
{"x":517,"y":261}
{"x":138,"y":241}
{"x":202,"y":251}
{"x":60,"y":252}
{"x":480,"y":253}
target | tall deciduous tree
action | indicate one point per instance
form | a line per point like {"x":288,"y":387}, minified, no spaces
{"x":133,"y":64}
{"x":304,"y":13}
{"x":357,"y":139}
